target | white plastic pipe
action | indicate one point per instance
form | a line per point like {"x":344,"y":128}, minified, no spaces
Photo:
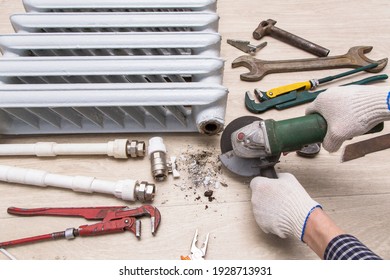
{"x":131,"y":190}
{"x":116,"y":149}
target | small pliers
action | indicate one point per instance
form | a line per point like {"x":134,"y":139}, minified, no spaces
{"x":197,"y":253}
{"x":114,"y":219}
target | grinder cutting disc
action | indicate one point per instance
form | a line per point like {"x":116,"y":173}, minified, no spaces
{"x":247,"y":167}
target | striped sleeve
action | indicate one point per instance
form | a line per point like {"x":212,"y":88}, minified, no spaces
{"x":348,"y":247}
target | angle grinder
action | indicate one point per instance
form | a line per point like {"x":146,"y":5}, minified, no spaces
{"x":251,"y":146}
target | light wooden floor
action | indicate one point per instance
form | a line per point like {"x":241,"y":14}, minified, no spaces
{"x":356,"y":194}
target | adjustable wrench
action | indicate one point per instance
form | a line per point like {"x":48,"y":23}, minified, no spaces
{"x":354,"y":58}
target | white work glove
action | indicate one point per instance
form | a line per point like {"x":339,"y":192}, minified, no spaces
{"x":281,"y":206}
{"x":350,"y":111}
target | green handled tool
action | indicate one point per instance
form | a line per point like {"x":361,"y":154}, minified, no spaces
{"x":251,"y":146}
{"x":296,"y":98}
{"x":306,"y":96}
{"x":313,"y":83}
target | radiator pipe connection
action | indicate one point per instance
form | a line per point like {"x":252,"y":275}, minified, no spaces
{"x":160,"y":165}
{"x":130,"y":190}
{"x":119,"y":148}
{"x":158,"y":158}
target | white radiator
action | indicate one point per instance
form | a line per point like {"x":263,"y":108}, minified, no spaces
{"x":121,"y":22}
{"x":104,"y":44}
{"x":48,"y":6}
{"x":112,"y":66}
{"x":111,"y":69}
{"x":96,"y":108}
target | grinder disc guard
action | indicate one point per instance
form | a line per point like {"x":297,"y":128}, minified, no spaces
{"x":247,"y":167}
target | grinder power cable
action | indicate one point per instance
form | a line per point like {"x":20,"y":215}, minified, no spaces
{"x":251,"y":146}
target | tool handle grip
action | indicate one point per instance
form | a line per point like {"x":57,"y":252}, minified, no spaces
{"x":292,"y":134}
{"x":306,"y":97}
{"x":272,"y":93}
{"x":33,"y":239}
{"x":269,"y":172}
{"x":90,"y":213}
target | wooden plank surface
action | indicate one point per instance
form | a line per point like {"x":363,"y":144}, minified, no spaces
{"x":356,"y":193}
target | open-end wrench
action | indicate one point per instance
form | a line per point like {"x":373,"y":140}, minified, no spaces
{"x":354,"y":58}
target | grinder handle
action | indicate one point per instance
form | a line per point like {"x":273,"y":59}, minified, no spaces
{"x":292,"y":134}
{"x":269,"y":172}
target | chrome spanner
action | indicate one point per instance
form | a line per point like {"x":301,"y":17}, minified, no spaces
{"x":354,"y":58}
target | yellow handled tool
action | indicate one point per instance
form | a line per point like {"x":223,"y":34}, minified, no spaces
{"x":272,"y":93}
{"x":311,"y":84}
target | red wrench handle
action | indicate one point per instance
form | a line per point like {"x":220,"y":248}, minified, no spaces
{"x":90,"y":213}
{"x":33,"y":239}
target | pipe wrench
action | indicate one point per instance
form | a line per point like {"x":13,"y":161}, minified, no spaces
{"x":114,"y":219}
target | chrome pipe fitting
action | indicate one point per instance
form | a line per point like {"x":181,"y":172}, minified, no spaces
{"x":144,"y":191}
{"x":135,"y":148}
{"x":158,"y":157}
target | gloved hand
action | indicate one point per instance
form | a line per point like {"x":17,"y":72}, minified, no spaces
{"x":281,"y":206}
{"x":351,"y":111}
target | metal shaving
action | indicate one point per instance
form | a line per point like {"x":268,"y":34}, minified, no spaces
{"x":202,"y":171}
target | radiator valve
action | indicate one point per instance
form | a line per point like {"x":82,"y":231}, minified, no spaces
{"x":158,"y":157}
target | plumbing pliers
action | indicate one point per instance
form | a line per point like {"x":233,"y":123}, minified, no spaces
{"x":197,"y":253}
{"x":114,"y":219}
{"x":293,"y":98}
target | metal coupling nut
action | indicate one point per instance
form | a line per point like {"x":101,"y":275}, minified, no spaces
{"x":159,"y":165}
{"x":144,"y":191}
{"x":158,"y":157}
{"x":135,"y":148}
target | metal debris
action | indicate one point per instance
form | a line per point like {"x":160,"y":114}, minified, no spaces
{"x":201,"y":172}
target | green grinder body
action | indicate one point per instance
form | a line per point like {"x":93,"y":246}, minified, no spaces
{"x":292,"y":134}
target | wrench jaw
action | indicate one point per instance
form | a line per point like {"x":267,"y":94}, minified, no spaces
{"x":250,"y":104}
{"x":145,"y":210}
{"x":361,"y":59}
{"x":255,"y":73}
{"x":258,"y":108}
{"x":155,"y":221}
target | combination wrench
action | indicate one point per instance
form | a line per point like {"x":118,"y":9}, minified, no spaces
{"x":354,"y":58}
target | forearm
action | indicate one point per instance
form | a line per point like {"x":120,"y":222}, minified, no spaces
{"x":348,"y":247}
{"x":320,"y":230}
{"x":283,"y":207}
{"x":330,"y":242}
